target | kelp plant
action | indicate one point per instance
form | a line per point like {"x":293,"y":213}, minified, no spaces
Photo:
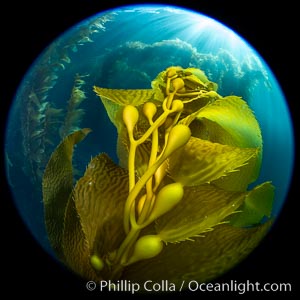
{"x":178,"y":206}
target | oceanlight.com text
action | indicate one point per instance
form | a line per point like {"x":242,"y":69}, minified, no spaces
{"x":185,"y":285}
{"x":239,"y":287}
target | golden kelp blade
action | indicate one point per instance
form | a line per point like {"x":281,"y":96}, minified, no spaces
{"x":199,"y":74}
{"x":203,"y":259}
{"x":74,"y":244}
{"x":236,"y":123}
{"x":201,"y":209}
{"x":202,"y":161}
{"x":125,"y":97}
{"x":57,"y":187}
{"x":258,"y":204}
{"x":230,"y":121}
{"x":99,"y":198}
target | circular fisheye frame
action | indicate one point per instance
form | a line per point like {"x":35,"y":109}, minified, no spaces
{"x":149,"y":154}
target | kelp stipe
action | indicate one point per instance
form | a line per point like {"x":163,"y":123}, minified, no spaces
{"x":179,"y":201}
{"x":74,"y":113}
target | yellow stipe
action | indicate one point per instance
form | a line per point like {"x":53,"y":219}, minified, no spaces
{"x":169,"y":98}
{"x":158,"y":122}
{"x":178,"y":137}
{"x":141,"y":204}
{"x":160,"y":174}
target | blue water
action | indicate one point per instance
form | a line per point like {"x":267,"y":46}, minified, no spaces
{"x":127,"y":48}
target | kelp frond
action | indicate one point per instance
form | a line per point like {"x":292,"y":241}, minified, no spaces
{"x":74,"y":114}
{"x":187,"y":157}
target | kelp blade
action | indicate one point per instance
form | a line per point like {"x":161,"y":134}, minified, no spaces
{"x":203,"y":259}
{"x":125,"y":97}
{"x":74,"y":244}
{"x":234,"y":119}
{"x":258,"y":204}
{"x":230,"y":121}
{"x":201,"y":161}
{"x":58,"y":186}
{"x":200,"y":211}
{"x":99,"y":198}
